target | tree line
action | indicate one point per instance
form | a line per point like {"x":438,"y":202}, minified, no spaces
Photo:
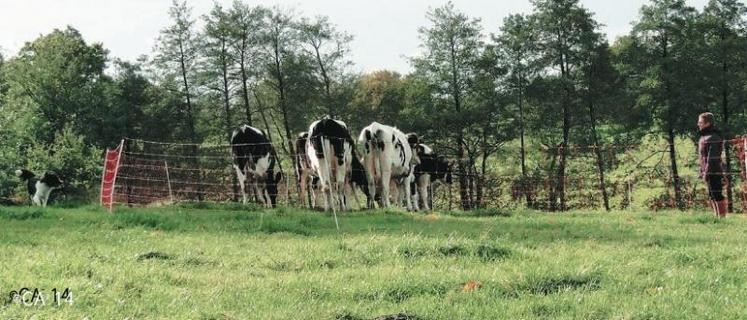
{"x":548,"y":78}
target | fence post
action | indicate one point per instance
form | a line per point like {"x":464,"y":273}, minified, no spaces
{"x":168,"y":180}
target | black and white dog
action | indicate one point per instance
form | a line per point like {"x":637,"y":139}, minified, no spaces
{"x":40,"y":189}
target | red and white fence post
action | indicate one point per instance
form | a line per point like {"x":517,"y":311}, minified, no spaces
{"x":109,"y":176}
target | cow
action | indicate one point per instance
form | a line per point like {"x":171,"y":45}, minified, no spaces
{"x":307,"y":176}
{"x":432,"y":170}
{"x":330,"y":151}
{"x":307,"y":179}
{"x":388,"y":154}
{"x":254,"y":159}
{"x":39,"y":189}
{"x":358,"y":178}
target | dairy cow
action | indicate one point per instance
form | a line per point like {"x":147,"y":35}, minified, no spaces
{"x":330,"y":151}
{"x":388,"y":156}
{"x":432,"y":170}
{"x":254,"y":160}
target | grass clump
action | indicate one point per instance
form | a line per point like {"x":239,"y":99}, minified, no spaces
{"x":22,"y":215}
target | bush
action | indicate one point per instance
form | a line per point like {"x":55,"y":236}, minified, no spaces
{"x":70,"y":156}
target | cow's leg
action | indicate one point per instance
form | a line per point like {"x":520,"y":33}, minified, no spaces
{"x":325,"y":186}
{"x":340,"y":174}
{"x":257,"y":192}
{"x":312,"y":190}
{"x":423,"y":182}
{"x":385,"y":179}
{"x":242,"y":183}
{"x":354,"y":192}
{"x":408,"y":196}
{"x":267,"y":199}
{"x":394,"y":193}
{"x":371,"y":172}
{"x":303,"y":180}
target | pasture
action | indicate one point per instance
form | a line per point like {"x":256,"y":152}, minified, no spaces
{"x":228,"y":262}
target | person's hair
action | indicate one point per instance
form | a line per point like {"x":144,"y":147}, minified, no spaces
{"x":708,"y":117}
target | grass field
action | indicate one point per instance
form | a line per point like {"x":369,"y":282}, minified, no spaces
{"x":233,"y":263}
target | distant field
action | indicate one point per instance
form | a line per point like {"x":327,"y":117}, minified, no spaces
{"x":233,"y":263}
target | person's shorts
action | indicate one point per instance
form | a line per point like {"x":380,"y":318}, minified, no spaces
{"x":716,"y":187}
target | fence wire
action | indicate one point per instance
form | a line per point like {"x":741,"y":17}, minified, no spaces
{"x":153,"y":173}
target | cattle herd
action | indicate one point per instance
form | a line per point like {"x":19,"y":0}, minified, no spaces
{"x":393,"y":169}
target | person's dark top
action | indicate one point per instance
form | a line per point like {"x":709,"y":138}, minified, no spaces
{"x":710,"y":146}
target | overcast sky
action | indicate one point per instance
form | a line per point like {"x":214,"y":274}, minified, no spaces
{"x":385,"y":30}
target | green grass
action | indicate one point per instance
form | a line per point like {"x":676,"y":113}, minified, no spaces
{"x":227,"y":262}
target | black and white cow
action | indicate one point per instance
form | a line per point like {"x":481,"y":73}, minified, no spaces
{"x":432,"y":170}
{"x":330,"y":151}
{"x":40,"y":189}
{"x":254,"y":159}
{"x":307,"y":177}
{"x":388,"y":154}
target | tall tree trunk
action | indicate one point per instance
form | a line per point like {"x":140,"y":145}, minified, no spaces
{"x":227,"y":108}
{"x":327,"y":82}
{"x":726,"y":127}
{"x":284,"y":110}
{"x":675,"y":174}
{"x":481,"y":180}
{"x":190,"y":120}
{"x":244,"y":85}
{"x":600,"y":160}
{"x":461,"y":165}
{"x":563,"y":152}
{"x":552,"y":195}
{"x":524,"y":177}
{"x":261,"y":110}
{"x":670,"y":125}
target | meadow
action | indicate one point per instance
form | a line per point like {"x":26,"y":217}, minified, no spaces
{"x":233,"y":262}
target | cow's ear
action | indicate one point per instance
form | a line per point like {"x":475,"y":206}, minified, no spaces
{"x":412,"y":139}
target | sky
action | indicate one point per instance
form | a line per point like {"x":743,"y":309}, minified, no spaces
{"x":385,"y":31}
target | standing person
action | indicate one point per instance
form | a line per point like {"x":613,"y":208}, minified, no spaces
{"x":710,"y":146}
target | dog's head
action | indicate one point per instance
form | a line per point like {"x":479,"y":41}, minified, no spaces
{"x":53,"y":180}
{"x":24,"y":174}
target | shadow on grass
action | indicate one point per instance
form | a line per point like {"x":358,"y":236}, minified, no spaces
{"x":552,"y":284}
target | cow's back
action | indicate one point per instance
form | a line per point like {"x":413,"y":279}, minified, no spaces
{"x":249,"y":145}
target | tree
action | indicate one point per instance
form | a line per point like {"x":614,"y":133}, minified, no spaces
{"x":329,"y":48}
{"x":599,"y":92}
{"x":246,"y":26}
{"x":515,"y":55}
{"x":3,"y":86}
{"x":562,"y":28}
{"x":218,"y":64}
{"x":60,"y":80}
{"x":176,"y":56}
{"x":379,"y":96}
{"x":664,"y":30}
{"x":452,"y":46}
{"x":280,"y":39}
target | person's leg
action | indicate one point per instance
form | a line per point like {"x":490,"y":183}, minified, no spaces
{"x":716,"y":193}
{"x":723,"y":208}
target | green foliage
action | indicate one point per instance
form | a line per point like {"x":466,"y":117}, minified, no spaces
{"x":69,"y":155}
{"x":60,"y":79}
